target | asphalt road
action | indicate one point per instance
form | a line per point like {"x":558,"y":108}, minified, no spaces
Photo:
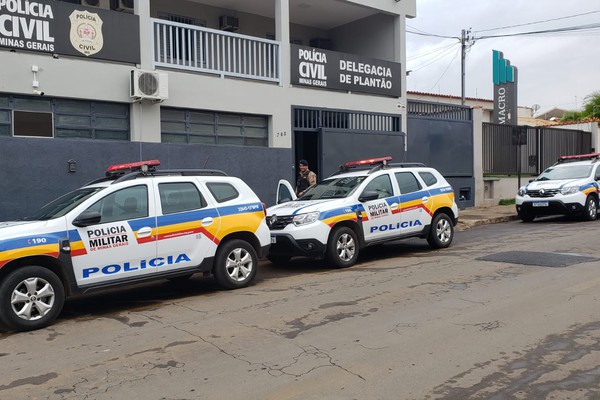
{"x":509,"y":311}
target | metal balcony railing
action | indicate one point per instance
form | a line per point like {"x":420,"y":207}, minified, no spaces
{"x":200,"y":49}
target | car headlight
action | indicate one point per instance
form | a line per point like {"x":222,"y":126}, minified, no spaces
{"x":569,"y":190}
{"x":522,"y":192}
{"x":308,"y":218}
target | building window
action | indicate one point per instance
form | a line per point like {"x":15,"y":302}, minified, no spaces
{"x":205,"y":127}
{"x":62,"y":118}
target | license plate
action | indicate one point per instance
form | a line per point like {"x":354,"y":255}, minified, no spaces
{"x":540,"y":204}
{"x":273,"y":239}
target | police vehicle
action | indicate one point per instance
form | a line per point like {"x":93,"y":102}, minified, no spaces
{"x":138,"y":223}
{"x":569,"y":187}
{"x":366,"y":202}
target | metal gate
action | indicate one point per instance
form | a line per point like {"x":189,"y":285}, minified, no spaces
{"x":513,"y":149}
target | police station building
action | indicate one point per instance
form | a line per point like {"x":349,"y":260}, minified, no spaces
{"x":248,"y":87}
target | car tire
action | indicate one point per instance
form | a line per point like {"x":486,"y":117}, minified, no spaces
{"x":441,"y":231}
{"x":31,"y":297}
{"x":235,"y":264}
{"x":342,"y":247}
{"x":279,"y":259}
{"x":590,"y":213}
{"x":526,"y":217}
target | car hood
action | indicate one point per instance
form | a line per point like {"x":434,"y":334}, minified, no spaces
{"x":556,"y":184}
{"x":299,"y":206}
{"x":12,"y":229}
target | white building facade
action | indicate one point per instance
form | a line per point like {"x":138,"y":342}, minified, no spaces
{"x":223,"y":74}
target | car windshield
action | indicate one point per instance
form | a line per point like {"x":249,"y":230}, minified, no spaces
{"x":565,"y":172}
{"x":63,"y":204}
{"x":336,"y":188}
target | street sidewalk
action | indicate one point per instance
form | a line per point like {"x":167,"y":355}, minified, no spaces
{"x":474,"y":216}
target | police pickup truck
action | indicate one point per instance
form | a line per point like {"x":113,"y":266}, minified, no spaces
{"x":138,"y":223}
{"x":365,"y":203}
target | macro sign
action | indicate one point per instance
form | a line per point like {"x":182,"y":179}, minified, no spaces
{"x":61,"y":28}
{"x":505,"y":90}
{"x":326,"y":69}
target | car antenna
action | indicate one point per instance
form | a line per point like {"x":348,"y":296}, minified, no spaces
{"x":205,"y":162}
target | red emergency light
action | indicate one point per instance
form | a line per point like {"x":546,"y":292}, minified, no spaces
{"x":370,"y":161}
{"x":588,"y":156}
{"x":135,"y":166}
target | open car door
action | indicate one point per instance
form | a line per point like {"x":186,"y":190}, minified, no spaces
{"x":285,"y":192}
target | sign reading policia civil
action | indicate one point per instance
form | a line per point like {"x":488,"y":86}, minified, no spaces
{"x":505,"y":90}
{"x":326,"y":69}
{"x":61,"y":28}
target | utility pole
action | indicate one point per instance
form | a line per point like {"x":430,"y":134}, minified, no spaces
{"x":464,"y":38}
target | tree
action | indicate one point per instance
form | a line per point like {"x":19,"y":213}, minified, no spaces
{"x":591,"y":110}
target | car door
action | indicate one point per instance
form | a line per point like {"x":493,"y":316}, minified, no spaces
{"x":285,"y":192}
{"x":381,"y":220}
{"x":120,"y":244}
{"x":187,"y":225}
{"x":415,"y":203}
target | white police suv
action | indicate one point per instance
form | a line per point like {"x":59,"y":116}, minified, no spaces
{"x":569,"y":187}
{"x":136,"y":224}
{"x":367,"y":202}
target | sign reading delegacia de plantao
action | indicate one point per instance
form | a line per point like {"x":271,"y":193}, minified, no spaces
{"x":326,"y":69}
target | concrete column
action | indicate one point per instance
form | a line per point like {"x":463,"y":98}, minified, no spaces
{"x":478,"y":156}
{"x":145,"y":115}
{"x":400,"y":57}
{"x":280,"y":127}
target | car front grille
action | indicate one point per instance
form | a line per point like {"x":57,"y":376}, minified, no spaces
{"x":543,"y":193}
{"x":278,"y":222}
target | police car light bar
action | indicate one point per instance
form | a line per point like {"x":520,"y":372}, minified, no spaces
{"x":579,"y":157}
{"x":135,"y":166}
{"x":370,"y":161}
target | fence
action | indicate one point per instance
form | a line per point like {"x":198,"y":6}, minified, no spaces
{"x":199,"y":49}
{"x":510,"y":149}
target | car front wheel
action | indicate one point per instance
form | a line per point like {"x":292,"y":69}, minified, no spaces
{"x":342,"y":248}
{"x":591,"y":209}
{"x":31,"y":297}
{"x":235,"y":264}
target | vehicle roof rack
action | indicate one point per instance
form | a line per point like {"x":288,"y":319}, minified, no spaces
{"x":125,"y":172}
{"x":406,"y":165}
{"x":579,"y":157}
{"x":374,"y":164}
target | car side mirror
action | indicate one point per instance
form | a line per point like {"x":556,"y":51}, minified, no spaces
{"x":87,"y":218}
{"x":368,"y":196}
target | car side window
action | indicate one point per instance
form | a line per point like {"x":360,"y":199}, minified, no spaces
{"x":180,"y":196}
{"x":428,"y":178}
{"x":382,"y":185}
{"x":222,"y":191}
{"x":124,"y":204}
{"x":407,"y":182}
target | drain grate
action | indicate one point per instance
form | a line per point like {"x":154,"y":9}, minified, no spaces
{"x":554,"y":260}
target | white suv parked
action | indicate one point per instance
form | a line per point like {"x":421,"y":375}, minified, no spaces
{"x":136,"y":224}
{"x":569,"y":187}
{"x":358,"y":207}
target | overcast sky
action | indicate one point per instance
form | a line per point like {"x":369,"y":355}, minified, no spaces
{"x":554,"y":70}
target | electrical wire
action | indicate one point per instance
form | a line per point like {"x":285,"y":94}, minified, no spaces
{"x":539,"y":22}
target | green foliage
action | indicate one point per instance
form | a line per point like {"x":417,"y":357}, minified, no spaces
{"x":506,"y":202}
{"x":591,"y":110}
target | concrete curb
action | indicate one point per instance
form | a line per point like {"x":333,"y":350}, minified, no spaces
{"x":464,"y":224}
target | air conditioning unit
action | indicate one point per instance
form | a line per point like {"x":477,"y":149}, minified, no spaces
{"x":150,"y":85}
{"x":227,"y":23}
{"x":121,"y":5}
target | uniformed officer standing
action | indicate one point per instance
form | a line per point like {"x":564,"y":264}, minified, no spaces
{"x":306,"y":178}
